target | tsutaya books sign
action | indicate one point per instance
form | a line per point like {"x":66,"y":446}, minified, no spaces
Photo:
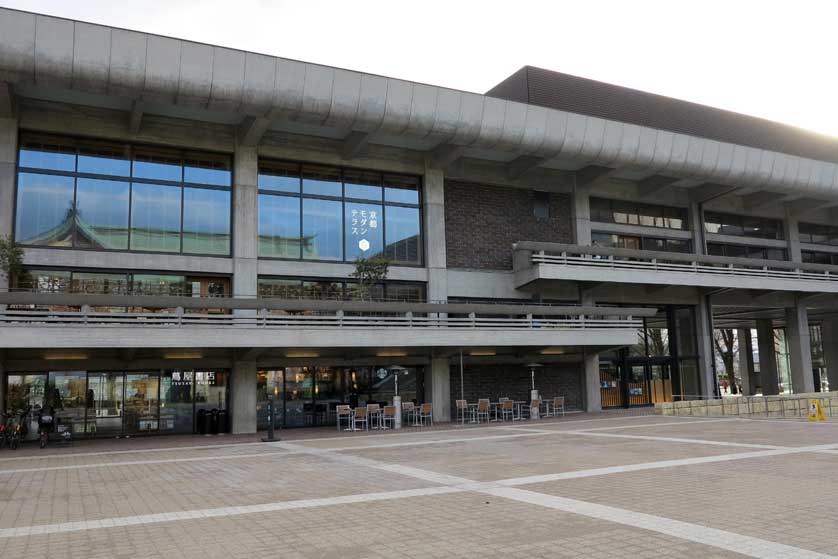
{"x":363,"y":223}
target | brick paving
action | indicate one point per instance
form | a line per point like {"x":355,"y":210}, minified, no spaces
{"x":593,"y":486}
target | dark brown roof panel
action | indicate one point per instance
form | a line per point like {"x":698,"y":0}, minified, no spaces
{"x":590,"y":97}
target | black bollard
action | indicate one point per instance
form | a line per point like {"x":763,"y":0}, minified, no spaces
{"x":270,"y":438}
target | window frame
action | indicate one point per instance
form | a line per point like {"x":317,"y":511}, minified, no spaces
{"x":602,"y":211}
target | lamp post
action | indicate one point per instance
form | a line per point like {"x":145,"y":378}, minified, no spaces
{"x":270,"y":438}
{"x":397,"y":400}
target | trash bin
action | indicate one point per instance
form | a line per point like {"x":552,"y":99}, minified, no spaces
{"x":203,"y":422}
{"x":213,"y":426}
{"x":223,"y":421}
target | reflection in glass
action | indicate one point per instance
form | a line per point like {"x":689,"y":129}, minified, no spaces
{"x":323,"y":290}
{"x":67,"y":394}
{"x":176,"y":402}
{"x":206,"y":221}
{"x":102,"y":214}
{"x":365,"y":185}
{"x":322,"y":228}
{"x":99,"y":283}
{"x":24,"y":391}
{"x":211,"y":390}
{"x":142,"y":398}
{"x":279,"y":176}
{"x":157,"y":284}
{"x":208,"y":170}
{"x":44,"y":210}
{"x":280,"y":288}
{"x":155,"y":218}
{"x":402,"y":233}
{"x":104,"y":404}
{"x":160,"y":166}
{"x":658,"y":341}
{"x":279,"y":226}
{"x":401,"y":189}
{"x":364,"y":230}
{"x":323,"y":181}
{"x":56,"y":158}
{"x":105,"y":160}
{"x":46,"y":281}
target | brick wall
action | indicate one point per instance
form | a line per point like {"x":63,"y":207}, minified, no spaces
{"x":513,"y":381}
{"x":482,"y":222}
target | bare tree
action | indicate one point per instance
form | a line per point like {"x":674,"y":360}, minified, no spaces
{"x":727,"y":348}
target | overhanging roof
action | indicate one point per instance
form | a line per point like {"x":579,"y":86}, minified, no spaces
{"x":68,"y":56}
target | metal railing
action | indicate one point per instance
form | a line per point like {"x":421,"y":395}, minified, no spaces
{"x":657,"y":261}
{"x":339,"y":319}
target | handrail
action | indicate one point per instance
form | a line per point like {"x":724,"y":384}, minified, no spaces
{"x":304,"y":305}
{"x":534,"y":246}
{"x":263,"y":319}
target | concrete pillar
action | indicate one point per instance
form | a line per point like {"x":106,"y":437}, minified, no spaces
{"x":245,"y":223}
{"x":829,"y":335}
{"x":767,"y":357}
{"x":243,"y":400}
{"x":434,"y":210}
{"x":438,"y":388}
{"x":792,"y":234}
{"x":696,"y":217}
{"x":704,"y":337}
{"x":8,"y":157}
{"x":800,"y":349}
{"x":590,"y":367}
{"x":746,"y":360}
{"x":581,"y":215}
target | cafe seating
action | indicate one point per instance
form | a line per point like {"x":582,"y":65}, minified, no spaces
{"x":426,"y":414}
{"x":344,"y":412}
{"x":507,"y":410}
{"x":409,"y":413}
{"x":374,"y":415}
{"x":462,"y":410}
{"x":482,"y":409}
{"x":558,"y":405}
{"x":361,"y":416}
{"x":388,"y":415}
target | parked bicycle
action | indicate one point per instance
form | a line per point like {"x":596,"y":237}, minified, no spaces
{"x":20,"y":429}
{"x":5,"y":429}
{"x":46,"y":424}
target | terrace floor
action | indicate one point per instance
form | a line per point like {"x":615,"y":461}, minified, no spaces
{"x":606,"y":485}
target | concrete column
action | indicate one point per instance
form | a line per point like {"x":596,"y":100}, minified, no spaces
{"x":792,"y":234}
{"x":829,"y":335}
{"x":800,"y":349}
{"x":581,"y":215}
{"x":696,"y":217}
{"x":590,"y":367}
{"x":767,"y":357}
{"x":243,"y":400}
{"x":8,"y":157}
{"x":435,"y":256}
{"x":703,"y":334}
{"x":438,"y":388}
{"x":746,"y":360}
{"x":245,"y":223}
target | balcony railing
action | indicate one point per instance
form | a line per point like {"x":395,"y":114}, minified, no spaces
{"x":615,"y":259}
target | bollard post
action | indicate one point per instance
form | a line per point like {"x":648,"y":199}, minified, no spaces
{"x":270,"y":438}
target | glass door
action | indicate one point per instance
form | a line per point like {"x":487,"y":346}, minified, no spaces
{"x":637,"y":385}
{"x":142,"y":400}
{"x":104,"y":404}
{"x":661,"y":382}
{"x":298,"y":398}
{"x":611,"y":385}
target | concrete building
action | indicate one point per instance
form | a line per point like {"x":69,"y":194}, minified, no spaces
{"x":190,"y":217}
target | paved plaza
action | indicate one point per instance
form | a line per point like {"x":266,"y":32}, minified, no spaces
{"x":589,"y":486}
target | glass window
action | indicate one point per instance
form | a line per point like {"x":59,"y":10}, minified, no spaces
{"x":601,"y":210}
{"x":24,"y":391}
{"x":211,"y":390}
{"x":654,"y":244}
{"x":99,"y":283}
{"x":176,"y":411}
{"x":157,"y":284}
{"x":685,"y":329}
{"x":322,"y":181}
{"x":159,"y":165}
{"x":658,"y":341}
{"x":323,"y":290}
{"x":541,"y":205}
{"x":776,"y":254}
{"x":355,"y":292}
{"x":102,"y":214}
{"x":401,"y":189}
{"x":605,"y":240}
{"x":673,"y":245}
{"x":47,"y":281}
{"x":206,"y":221}
{"x":67,"y":394}
{"x":402,"y":233}
{"x":365,"y":185}
{"x":44,"y":210}
{"x":279,"y":176}
{"x":155,"y":217}
{"x":279,"y":227}
{"x":405,"y":292}
{"x":207,"y":169}
{"x":322,"y":229}
{"x":104,"y":159}
{"x":675,"y":218}
{"x":715,"y":249}
{"x":52,"y":153}
{"x":364,"y":234}
{"x":280,"y":288}
{"x":624,"y":212}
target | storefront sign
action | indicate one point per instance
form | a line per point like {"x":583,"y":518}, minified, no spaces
{"x":361,"y":222}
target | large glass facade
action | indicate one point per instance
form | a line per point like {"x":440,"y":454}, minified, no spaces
{"x":637,"y":242}
{"x":293,"y":288}
{"x":124,"y":283}
{"x":743,"y":225}
{"x":307,"y":396}
{"x":632,"y":213}
{"x":116,"y":403}
{"x":314,"y":212}
{"x":96,"y":195}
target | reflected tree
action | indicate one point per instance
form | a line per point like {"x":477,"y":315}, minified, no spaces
{"x":727,"y":349}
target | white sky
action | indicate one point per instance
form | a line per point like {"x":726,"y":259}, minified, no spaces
{"x":767,"y":58}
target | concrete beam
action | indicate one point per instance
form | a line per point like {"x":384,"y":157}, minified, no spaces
{"x":523,"y":164}
{"x":7,"y":105}
{"x":762,"y":198}
{"x":587,"y":176}
{"x":801,"y":206}
{"x":710,"y":191}
{"x":251,"y":129}
{"x":135,"y":119}
{"x":444,"y":155}
{"x":252,"y":354}
{"x":652,"y":185}
{"x":354,"y":143}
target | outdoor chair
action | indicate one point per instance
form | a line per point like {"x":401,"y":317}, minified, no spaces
{"x":361,"y":416}
{"x":482,"y":409}
{"x":409,"y":411}
{"x":558,"y":404}
{"x":426,"y":413}
{"x":374,"y":415}
{"x":344,"y":412}
{"x":462,"y":410}
{"x":388,"y":416}
{"x":507,"y":410}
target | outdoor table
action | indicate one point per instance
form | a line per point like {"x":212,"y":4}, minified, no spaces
{"x":473,"y":412}
{"x":519,"y":405}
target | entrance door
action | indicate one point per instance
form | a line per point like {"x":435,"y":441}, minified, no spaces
{"x":661,"y":382}
{"x":611,"y":385}
{"x":105,"y":393}
{"x":142,"y":399}
{"x":637,"y":386}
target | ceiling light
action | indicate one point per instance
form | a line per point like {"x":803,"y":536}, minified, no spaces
{"x":487,"y":352}
{"x":553,"y":351}
{"x":302,"y":354}
{"x":392,"y":354}
{"x":183,"y":355}
{"x":54,"y":356}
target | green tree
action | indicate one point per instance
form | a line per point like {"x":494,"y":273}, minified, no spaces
{"x":368,"y":272}
{"x":11,"y":261}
